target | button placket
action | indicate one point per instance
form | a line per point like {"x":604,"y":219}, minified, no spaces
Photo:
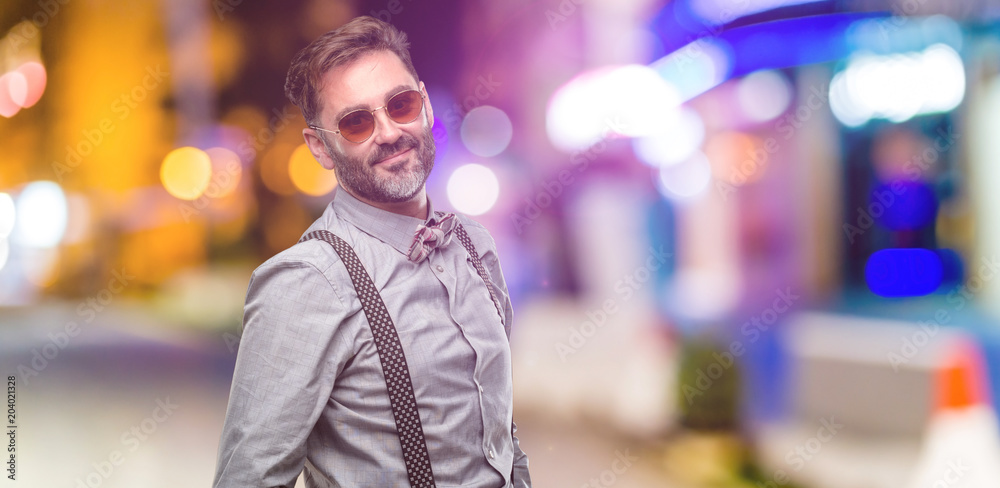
{"x":452,"y":284}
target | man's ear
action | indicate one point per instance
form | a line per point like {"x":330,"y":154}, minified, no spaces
{"x":427,"y":104}
{"x":317,"y":148}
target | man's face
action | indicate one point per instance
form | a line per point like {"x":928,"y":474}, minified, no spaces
{"x":393,"y":164}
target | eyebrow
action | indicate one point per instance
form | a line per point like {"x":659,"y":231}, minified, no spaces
{"x":359,"y":106}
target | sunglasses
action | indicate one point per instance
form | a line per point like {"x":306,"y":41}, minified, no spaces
{"x":357,"y":126}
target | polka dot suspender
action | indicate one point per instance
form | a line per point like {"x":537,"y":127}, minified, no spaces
{"x":390,"y":352}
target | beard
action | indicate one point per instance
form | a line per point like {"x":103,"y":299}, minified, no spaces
{"x":362,"y":179}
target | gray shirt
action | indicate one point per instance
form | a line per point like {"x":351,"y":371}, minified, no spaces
{"x":308,"y":390}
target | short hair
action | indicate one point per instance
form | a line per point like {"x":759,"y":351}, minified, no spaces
{"x":340,"y":46}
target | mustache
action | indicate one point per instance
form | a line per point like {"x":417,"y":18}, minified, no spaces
{"x":383,"y":151}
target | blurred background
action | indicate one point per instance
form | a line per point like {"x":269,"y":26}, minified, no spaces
{"x":749,"y":243}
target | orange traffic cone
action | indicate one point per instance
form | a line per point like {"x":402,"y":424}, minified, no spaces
{"x":961,"y":446}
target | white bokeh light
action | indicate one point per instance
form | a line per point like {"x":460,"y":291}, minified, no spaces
{"x":843,"y":106}
{"x":473,"y":189}
{"x":685,"y":180}
{"x":898,"y":87}
{"x":622,"y":101}
{"x":17,"y":87}
{"x":41,"y":215}
{"x":486,"y":131}
{"x":680,"y":139}
{"x":945,"y":78}
{"x":764,"y":95}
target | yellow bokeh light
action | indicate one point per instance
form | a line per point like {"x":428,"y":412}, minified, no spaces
{"x":307,"y":174}
{"x":186,"y":172}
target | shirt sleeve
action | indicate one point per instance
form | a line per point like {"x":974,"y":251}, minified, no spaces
{"x":284,"y":375}
{"x":520,"y":478}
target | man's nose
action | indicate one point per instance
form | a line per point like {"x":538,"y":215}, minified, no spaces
{"x":386,"y":130}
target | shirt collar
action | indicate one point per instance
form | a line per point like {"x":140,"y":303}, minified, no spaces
{"x":391,"y":228}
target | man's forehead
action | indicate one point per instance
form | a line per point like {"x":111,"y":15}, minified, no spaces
{"x":369,"y":78}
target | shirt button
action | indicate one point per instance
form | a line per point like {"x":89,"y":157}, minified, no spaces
{"x":439,"y":268}
{"x":491,"y":454}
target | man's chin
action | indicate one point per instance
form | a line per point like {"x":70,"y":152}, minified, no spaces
{"x":385,"y":191}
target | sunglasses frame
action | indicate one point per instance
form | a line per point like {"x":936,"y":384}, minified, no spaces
{"x":374,"y":119}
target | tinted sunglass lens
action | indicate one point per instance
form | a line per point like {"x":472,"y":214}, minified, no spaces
{"x":357,"y":126}
{"x":404,"y":107}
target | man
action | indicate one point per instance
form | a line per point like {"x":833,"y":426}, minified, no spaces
{"x":312,"y":380}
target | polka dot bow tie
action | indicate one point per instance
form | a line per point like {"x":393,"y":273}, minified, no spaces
{"x":430,"y":237}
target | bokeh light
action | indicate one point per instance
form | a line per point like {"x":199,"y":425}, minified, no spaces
{"x":898,"y":87}
{"x":473,"y":189}
{"x":307,"y":175}
{"x":736,"y":157}
{"x":682,"y":136}
{"x":630,"y":101}
{"x":944,"y":77}
{"x":903,"y":272}
{"x":843,"y":106}
{"x":685,"y":180}
{"x":13,"y":93}
{"x":764,"y":95}
{"x":186,"y":172}
{"x":486,"y":131}
{"x":17,"y":86}
{"x":36,"y":79}
{"x":41,"y":215}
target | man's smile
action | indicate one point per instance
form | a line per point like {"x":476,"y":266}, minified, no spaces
{"x":395,"y":157}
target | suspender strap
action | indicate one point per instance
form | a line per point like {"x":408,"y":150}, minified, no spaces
{"x":467,"y":243}
{"x":390,"y":353}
